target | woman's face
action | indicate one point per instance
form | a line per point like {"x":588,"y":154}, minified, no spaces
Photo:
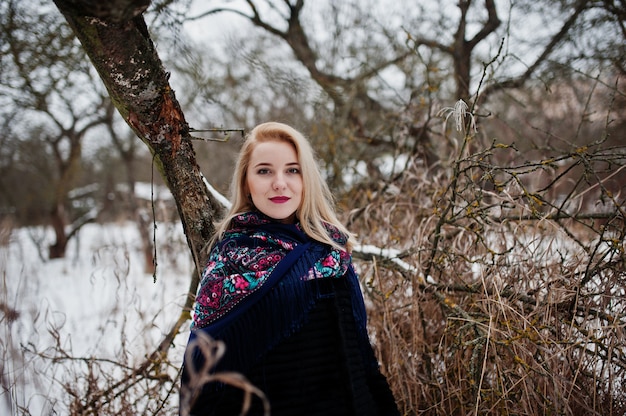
{"x":274,"y":180}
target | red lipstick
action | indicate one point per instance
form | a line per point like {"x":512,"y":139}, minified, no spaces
{"x":280,"y":199}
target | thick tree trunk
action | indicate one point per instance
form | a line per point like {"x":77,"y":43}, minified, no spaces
{"x":115,"y":37}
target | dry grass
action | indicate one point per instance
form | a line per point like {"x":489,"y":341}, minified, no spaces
{"x":515,"y":299}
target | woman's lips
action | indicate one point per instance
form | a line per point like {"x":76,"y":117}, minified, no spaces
{"x":280,"y":199}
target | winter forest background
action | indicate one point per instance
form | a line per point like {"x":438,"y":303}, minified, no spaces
{"x":476,"y":147}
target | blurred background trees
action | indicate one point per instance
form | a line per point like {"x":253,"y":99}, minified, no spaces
{"x":47,"y":113}
{"x":510,"y":236}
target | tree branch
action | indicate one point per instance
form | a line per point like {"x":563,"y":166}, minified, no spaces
{"x":492,"y":23}
{"x":111,"y":10}
{"x":518,"y":82}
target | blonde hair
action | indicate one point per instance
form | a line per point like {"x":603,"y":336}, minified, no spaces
{"x":317,"y":205}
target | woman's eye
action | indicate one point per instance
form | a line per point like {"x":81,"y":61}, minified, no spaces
{"x":294,"y":170}
{"x":263,"y":171}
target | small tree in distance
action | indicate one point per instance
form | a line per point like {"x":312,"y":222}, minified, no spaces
{"x":43,"y":115}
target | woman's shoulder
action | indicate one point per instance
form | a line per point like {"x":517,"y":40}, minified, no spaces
{"x":336,"y":234}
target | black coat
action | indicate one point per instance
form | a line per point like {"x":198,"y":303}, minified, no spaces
{"x":321,"y":369}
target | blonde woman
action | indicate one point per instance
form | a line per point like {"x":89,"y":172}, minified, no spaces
{"x":280,"y":290}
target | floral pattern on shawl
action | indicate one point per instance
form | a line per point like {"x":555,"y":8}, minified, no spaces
{"x":243,"y":260}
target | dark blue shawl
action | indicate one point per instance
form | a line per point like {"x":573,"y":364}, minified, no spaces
{"x":277,"y":297}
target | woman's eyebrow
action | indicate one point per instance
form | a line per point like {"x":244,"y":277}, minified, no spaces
{"x":270,"y":164}
{"x":262,"y":164}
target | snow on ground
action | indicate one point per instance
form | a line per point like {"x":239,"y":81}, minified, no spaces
{"x":92,"y":300}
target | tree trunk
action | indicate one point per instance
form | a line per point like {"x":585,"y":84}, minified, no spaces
{"x":115,"y":37}
{"x":58,"y":221}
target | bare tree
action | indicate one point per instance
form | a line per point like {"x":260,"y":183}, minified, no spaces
{"x":116,"y":39}
{"x":347,"y":49}
{"x":43,"y":77}
{"x":348,"y":123}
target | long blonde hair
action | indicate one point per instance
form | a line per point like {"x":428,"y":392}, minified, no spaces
{"x":317,"y":206}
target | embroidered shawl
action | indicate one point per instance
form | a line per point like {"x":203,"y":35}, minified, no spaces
{"x":240,"y":264}
{"x":260,"y":283}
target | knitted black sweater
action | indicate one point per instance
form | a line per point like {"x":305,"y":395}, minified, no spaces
{"x":322,"y":369}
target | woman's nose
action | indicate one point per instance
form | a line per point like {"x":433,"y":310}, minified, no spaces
{"x":279,"y":182}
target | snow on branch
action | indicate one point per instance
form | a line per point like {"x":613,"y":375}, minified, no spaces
{"x":392,"y":255}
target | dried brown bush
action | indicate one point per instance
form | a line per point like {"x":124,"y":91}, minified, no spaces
{"x":510,"y":297}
